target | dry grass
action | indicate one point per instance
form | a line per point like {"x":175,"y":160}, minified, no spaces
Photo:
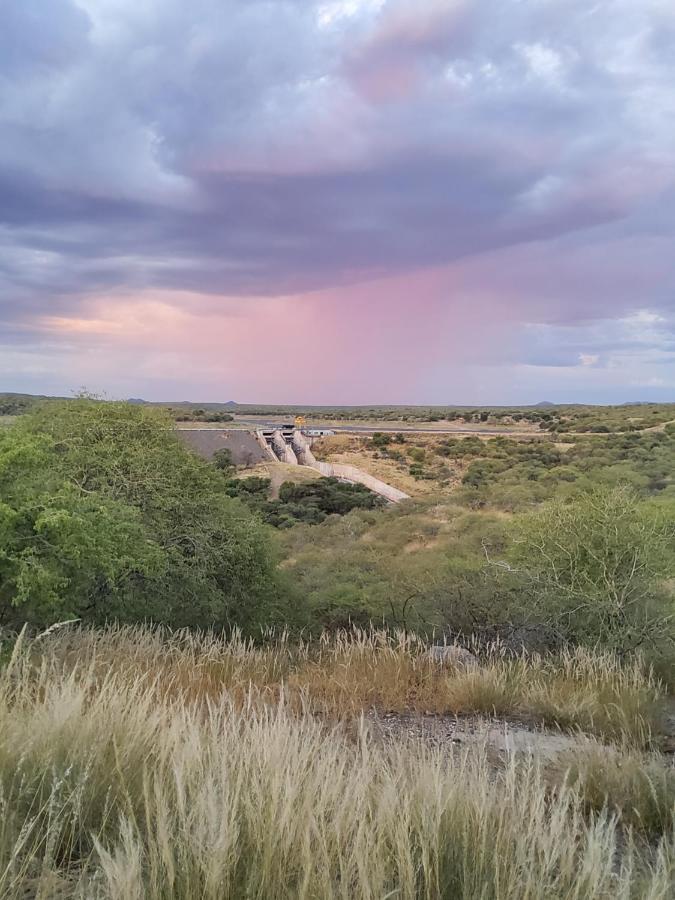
{"x":576,"y":690}
{"x":637,"y":787}
{"x":132,"y":766}
{"x":349,"y":673}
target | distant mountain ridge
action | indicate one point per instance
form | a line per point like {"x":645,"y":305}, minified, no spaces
{"x":140,"y":401}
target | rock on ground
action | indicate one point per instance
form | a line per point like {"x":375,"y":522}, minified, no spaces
{"x":451,"y":655}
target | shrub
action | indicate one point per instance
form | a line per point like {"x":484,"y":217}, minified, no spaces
{"x":222,"y":460}
{"x":310,"y":503}
{"x":105,"y":514}
{"x":594,"y":565}
{"x":380,"y":440}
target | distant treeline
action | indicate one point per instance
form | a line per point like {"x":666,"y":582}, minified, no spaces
{"x":16,"y":404}
{"x":556,"y":419}
{"x":566,"y":418}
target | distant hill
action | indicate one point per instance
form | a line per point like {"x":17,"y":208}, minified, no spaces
{"x":12,"y":404}
{"x":139,"y":400}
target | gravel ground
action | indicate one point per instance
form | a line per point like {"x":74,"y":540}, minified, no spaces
{"x":501,"y":736}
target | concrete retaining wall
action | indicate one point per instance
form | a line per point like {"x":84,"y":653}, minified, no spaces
{"x":299,"y":452}
{"x":245,"y":449}
{"x":351,"y":473}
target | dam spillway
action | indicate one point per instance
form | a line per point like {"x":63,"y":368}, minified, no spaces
{"x":290,"y":445}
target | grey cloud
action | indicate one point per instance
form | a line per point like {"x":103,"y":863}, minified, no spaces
{"x":225,"y":147}
{"x":640,"y":339}
{"x":40,"y":36}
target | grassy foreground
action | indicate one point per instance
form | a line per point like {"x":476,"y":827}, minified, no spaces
{"x":134,"y":765}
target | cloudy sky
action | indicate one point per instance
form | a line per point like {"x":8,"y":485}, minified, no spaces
{"x":340,"y":201}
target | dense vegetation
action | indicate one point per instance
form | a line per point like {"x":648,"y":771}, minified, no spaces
{"x":563,"y":418}
{"x":546,"y":416}
{"x":16,"y":404}
{"x":591,"y":570}
{"x":509,"y":474}
{"x":310,"y":503}
{"x":200,"y":415}
{"x":104,"y":514}
{"x":319,"y":761}
{"x":538,"y":542}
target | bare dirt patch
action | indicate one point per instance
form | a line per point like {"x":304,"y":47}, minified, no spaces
{"x":497,"y":735}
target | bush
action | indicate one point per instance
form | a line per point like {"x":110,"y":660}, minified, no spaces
{"x":222,"y":460}
{"x":380,"y":440}
{"x":594,"y":565}
{"x":310,"y":503}
{"x":105,"y":514}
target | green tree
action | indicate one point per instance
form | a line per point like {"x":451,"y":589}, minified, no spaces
{"x":222,"y":460}
{"x":381,"y":440}
{"x":595,"y":565}
{"x":62,"y":551}
{"x":105,"y":514}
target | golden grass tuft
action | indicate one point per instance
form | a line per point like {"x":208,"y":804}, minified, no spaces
{"x":135,"y":764}
{"x":345,"y":674}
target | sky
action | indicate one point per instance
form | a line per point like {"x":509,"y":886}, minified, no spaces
{"x":340,"y":201}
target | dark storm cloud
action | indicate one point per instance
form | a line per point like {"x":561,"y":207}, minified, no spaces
{"x":250,"y":147}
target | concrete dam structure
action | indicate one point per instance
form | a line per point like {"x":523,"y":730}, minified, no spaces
{"x":289,"y":445}
{"x":206,"y":442}
{"x":284,"y":444}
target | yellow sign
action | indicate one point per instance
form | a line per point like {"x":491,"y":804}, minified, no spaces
{"x":300,"y":422}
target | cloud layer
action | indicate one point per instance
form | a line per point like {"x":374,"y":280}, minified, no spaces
{"x":432,"y":200}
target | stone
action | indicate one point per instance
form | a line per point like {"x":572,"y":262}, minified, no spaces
{"x":451,"y":655}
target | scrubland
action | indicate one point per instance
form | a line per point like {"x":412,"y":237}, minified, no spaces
{"x":223,"y":719}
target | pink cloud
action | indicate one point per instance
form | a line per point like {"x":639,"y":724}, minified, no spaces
{"x":384,"y":341}
{"x":389,"y":63}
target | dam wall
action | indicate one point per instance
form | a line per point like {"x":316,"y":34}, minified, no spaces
{"x":265,"y":447}
{"x":358,"y":476}
{"x":284,"y":450}
{"x":295,"y":449}
{"x":303,"y":449}
{"x":245,"y":448}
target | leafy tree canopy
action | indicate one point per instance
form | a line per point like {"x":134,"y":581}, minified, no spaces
{"x":595,"y":565}
{"x":104,"y":513}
